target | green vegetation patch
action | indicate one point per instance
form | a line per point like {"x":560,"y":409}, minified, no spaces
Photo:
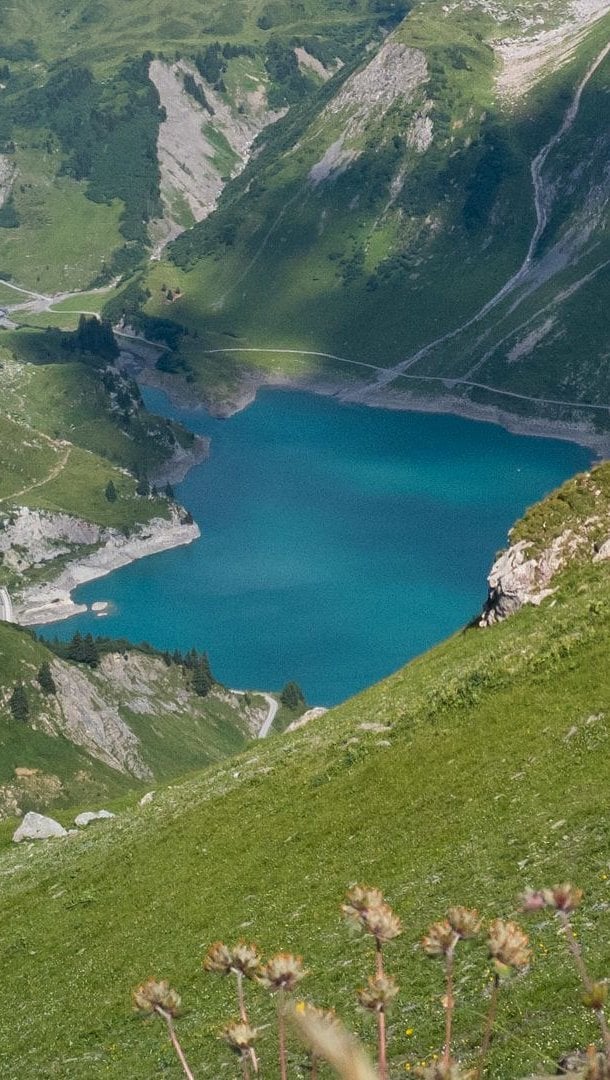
{"x":439,"y":785}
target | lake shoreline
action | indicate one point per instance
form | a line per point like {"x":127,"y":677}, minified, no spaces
{"x":142,"y":368}
{"x":52,"y":602}
{"x":343,"y":528}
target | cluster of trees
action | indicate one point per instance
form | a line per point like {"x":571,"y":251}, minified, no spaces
{"x":195,"y":664}
{"x":292,"y":696}
{"x":195,"y":90}
{"x":18,"y":702}
{"x":93,"y":336}
{"x":282,"y":66}
{"x":89,"y":650}
{"x":108,"y":134}
{"x":212,"y":63}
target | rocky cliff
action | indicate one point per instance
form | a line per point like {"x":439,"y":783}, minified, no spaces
{"x":572,"y":525}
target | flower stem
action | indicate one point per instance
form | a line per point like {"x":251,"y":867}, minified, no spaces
{"x":281,"y":1025}
{"x":174,"y":1041}
{"x":489,"y":1026}
{"x":379,"y":958}
{"x":381,"y":1039}
{"x":381,"y":1024}
{"x":243,"y":1015}
{"x":585,"y":978}
{"x":449,"y":1004}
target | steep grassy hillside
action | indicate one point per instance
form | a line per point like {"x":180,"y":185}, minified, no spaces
{"x":74,"y":435}
{"x":479,"y":769}
{"x":80,"y":181}
{"x":110,"y":730}
{"x":343,"y":234}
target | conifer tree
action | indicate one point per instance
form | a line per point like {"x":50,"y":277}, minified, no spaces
{"x":45,"y":678}
{"x":292,"y":696}
{"x":18,"y":703}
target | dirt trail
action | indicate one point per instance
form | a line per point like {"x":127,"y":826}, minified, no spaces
{"x":51,"y":475}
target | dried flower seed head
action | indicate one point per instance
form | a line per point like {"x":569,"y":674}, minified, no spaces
{"x":218,"y":959}
{"x":379,"y":994}
{"x":563,"y":897}
{"x":532,"y":900}
{"x":441,"y":939}
{"x":464,"y":921}
{"x":382,"y":923}
{"x":360,"y":902}
{"x":508,"y":945}
{"x":596,"y":997}
{"x":240,"y":1037}
{"x":153,"y":996}
{"x":245,"y":959}
{"x":282,"y":972}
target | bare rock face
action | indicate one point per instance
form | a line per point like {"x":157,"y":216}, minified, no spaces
{"x":89,"y":721}
{"x":396,"y":72}
{"x":38,"y":827}
{"x":514,"y":580}
{"x":33,"y":537}
{"x":518,"y":577}
{"x":311,"y":714}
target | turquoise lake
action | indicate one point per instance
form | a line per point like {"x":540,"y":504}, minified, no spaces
{"x":337,"y":541}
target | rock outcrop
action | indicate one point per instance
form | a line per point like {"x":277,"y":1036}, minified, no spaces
{"x":38,"y":827}
{"x":521,"y":575}
{"x":92,"y":815}
{"x":90,"y":721}
{"x":396,"y":72}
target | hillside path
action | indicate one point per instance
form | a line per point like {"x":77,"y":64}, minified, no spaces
{"x":446,"y":382}
{"x":51,"y":475}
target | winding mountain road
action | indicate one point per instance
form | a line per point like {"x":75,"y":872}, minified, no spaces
{"x":271,"y":715}
{"x":274,"y":705}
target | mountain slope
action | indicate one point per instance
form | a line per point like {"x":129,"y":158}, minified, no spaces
{"x":110,"y":730}
{"x":463,"y":778}
{"x":342,"y":235}
{"x":90,"y":173}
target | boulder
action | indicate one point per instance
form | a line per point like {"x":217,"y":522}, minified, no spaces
{"x":90,"y":815}
{"x":38,"y":827}
{"x":147,"y":799}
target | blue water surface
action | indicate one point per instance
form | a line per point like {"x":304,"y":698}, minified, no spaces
{"x":337,"y":541}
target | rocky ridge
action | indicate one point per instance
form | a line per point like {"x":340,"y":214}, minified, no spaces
{"x":526,"y":571}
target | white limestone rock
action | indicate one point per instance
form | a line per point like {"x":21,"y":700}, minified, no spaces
{"x":91,"y":815}
{"x":37,"y":827}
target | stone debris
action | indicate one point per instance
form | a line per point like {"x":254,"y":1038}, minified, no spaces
{"x":92,"y":815}
{"x":311,"y":714}
{"x":38,"y":827}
